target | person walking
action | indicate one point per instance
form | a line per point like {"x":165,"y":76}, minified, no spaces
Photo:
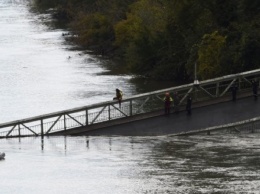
{"x":167,"y":103}
{"x":119,"y":96}
{"x":188,"y":105}
{"x":255,"y":88}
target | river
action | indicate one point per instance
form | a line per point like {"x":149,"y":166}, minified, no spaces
{"x":41,"y":73}
{"x":131,"y":165}
{"x":37,"y":75}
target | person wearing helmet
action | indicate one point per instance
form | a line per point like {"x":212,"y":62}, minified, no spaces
{"x":167,"y":103}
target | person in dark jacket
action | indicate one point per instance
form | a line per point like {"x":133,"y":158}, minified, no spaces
{"x":255,"y":88}
{"x":234,"y":92}
{"x":188,"y":105}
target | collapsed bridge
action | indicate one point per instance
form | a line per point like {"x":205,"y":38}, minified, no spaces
{"x":143,"y":114}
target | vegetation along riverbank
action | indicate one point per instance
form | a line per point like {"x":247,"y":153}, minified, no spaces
{"x":163,"y":39}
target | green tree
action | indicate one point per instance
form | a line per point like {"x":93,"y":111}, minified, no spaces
{"x":209,"y":55}
{"x":164,"y":38}
{"x":138,"y":35}
{"x":94,"y":31}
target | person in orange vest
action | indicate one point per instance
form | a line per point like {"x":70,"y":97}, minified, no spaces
{"x":119,"y":96}
{"x":167,"y":103}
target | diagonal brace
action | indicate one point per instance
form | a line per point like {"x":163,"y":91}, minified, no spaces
{"x":29,"y":129}
{"x":143,"y":104}
{"x":120,"y":110}
{"x":10,"y":131}
{"x":204,"y":90}
{"x":75,"y":120}
{"x":228,"y":87}
{"x":98,"y":115}
{"x":246,"y":80}
{"x":185,"y":96}
{"x":53,"y":124}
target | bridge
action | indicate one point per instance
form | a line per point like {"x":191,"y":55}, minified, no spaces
{"x":212,"y":111}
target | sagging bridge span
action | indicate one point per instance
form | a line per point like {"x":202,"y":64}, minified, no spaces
{"x":143,"y":114}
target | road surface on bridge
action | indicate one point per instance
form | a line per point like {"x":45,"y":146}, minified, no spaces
{"x":202,"y":117}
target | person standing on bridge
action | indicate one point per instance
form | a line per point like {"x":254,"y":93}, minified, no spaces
{"x":234,"y":92}
{"x":255,"y":88}
{"x":188,"y":104}
{"x":167,"y":103}
{"x":119,"y":96}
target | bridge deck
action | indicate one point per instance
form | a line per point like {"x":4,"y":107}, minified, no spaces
{"x":142,"y":114}
{"x":206,"y":114}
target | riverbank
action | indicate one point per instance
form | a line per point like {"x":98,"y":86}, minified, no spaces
{"x":163,"y":40}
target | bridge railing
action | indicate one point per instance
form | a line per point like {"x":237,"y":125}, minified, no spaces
{"x":138,"y":104}
{"x":241,"y":127}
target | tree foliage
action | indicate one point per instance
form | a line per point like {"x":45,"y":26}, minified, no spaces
{"x":165,"y":38}
{"x":209,"y":55}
